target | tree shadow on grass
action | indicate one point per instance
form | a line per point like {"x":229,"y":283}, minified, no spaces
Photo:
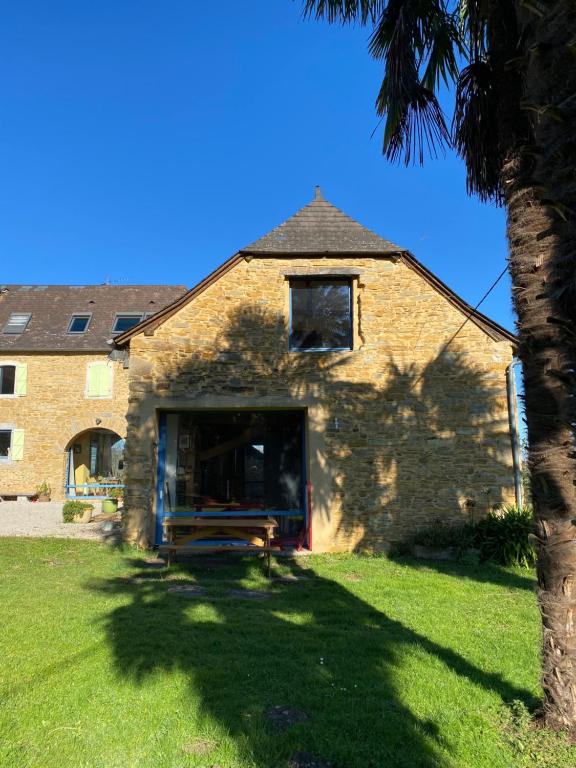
{"x":467,"y":568}
{"x":308,"y":644}
{"x":389,"y":449}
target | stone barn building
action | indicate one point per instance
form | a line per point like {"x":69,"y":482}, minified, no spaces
{"x":321,"y":373}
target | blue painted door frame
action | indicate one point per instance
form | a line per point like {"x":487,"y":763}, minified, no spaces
{"x":160,"y":478}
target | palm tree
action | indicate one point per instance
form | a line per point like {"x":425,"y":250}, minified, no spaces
{"x":513,"y":63}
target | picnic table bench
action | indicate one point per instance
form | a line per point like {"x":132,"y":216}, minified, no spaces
{"x":219,"y":534}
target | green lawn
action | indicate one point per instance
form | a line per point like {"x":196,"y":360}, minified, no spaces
{"x":393,"y":663}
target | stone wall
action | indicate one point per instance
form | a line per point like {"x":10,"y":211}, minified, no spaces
{"x":400,"y":431}
{"x":53,"y":411}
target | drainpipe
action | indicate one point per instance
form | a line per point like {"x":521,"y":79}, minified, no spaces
{"x":514,"y":437}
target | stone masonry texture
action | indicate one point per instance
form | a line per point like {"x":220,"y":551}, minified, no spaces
{"x":403,"y":430}
{"x":53,"y":413}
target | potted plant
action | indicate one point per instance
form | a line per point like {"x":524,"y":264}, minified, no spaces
{"x":77,"y":512}
{"x":43,"y":491}
{"x":110,"y":504}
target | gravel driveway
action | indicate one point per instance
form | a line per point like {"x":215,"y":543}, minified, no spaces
{"x":25,"y":518}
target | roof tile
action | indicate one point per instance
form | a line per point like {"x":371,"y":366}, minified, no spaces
{"x":320,"y":227}
{"x":52,"y":307}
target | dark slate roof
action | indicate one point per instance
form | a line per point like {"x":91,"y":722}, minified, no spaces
{"x":320,"y":227}
{"x":52,"y":306}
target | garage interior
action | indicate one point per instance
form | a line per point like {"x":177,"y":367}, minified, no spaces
{"x":237,"y":461}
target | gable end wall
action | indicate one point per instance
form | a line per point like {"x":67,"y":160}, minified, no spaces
{"x":400,"y":431}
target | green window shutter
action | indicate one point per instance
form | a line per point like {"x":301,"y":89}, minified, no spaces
{"x":17,"y":447}
{"x":92,"y":387}
{"x":99,"y":380}
{"x":20,"y":384}
{"x":106,"y":381}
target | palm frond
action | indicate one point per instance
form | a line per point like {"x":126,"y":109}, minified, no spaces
{"x":444,"y":46}
{"x":473,"y":16}
{"x":475,"y":130}
{"x":344,"y":11}
{"x":414,"y":128}
{"x":409,"y":41}
{"x":421,"y":43}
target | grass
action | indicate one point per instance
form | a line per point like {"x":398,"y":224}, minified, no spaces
{"x":394,"y":663}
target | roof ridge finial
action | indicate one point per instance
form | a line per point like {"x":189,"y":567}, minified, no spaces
{"x":318,"y":193}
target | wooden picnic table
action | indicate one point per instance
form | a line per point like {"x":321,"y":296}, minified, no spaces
{"x":184,"y":534}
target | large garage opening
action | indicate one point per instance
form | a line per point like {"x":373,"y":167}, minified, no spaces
{"x":235,"y":461}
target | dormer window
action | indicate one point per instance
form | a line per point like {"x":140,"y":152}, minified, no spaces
{"x":17,"y":322}
{"x":320,"y":314}
{"x":79,"y":323}
{"x":124,"y":322}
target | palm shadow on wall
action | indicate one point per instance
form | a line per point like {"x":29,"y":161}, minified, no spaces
{"x":417,"y":442}
{"x":419,"y":415}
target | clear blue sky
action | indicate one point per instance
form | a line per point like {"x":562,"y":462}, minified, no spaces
{"x":147,"y":141}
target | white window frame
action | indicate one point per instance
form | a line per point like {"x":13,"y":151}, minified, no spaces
{"x":73,"y":317}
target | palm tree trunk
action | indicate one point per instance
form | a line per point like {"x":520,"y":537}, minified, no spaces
{"x":540,"y":188}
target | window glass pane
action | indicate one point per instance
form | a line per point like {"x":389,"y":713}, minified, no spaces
{"x":246,"y":460}
{"x":254,"y":471}
{"x":321,"y":314}
{"x":78,"y":324}
{"x":4,"y":442}
{"x":17,"y":322}
{"x":7,"y":379}
{"x":125,"y":322}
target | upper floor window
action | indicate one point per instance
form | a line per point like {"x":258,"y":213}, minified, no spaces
{"x":17,"y":322}
{"x":7,"y":379}
{"x":13,"y":378}
{"x":126,"y":321}
{"x":320,"y":314}
{"x":79,"y":323}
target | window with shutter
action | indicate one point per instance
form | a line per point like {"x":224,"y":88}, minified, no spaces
{"x":13,"y":378}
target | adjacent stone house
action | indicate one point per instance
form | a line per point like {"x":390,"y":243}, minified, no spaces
{"x":324,"y":374}
{"x":63,"y":386}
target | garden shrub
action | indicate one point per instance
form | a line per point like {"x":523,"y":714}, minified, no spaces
{"x":440,"y":535}
{"x":504,"y":537}
{"x":72,"y":509}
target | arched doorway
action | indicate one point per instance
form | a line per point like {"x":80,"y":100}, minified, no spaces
{"x":95,"y":463}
